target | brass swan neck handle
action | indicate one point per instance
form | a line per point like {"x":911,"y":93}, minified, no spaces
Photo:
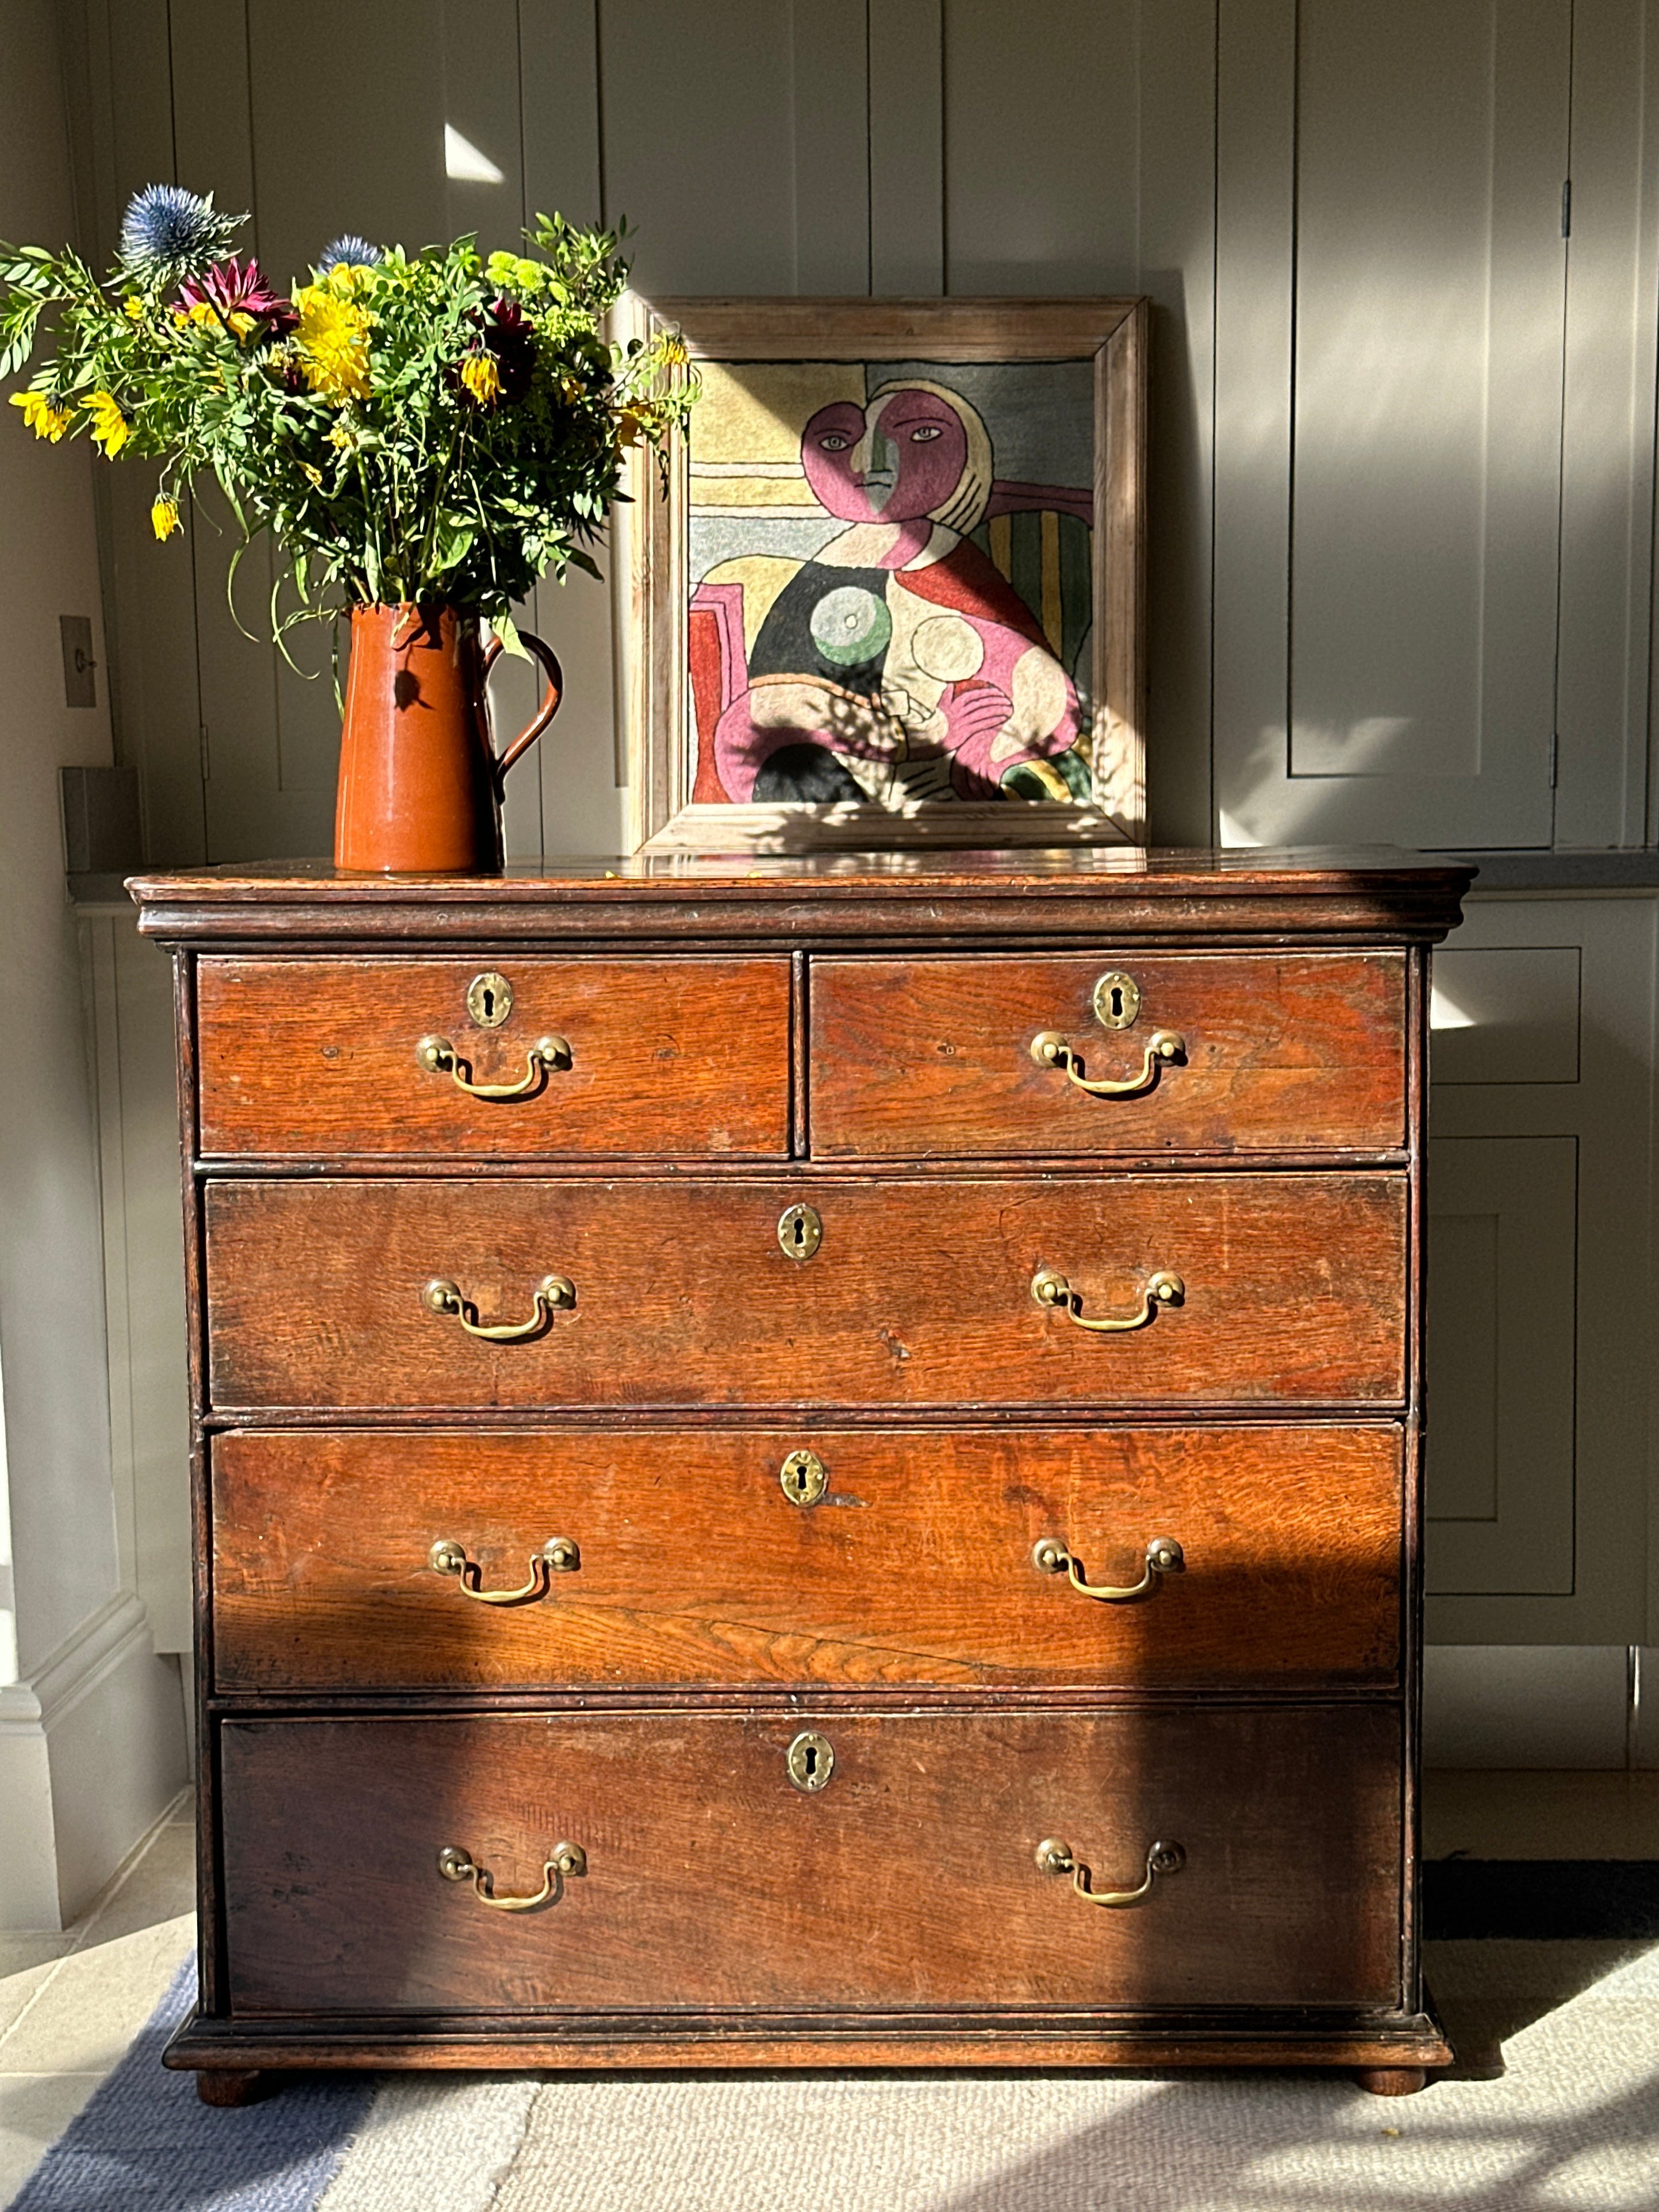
{"x":558,"y":1556}
{"x":552,"y":1292}
{"x":567,"y":1860}
{"x":1055,"y":1857}
{"x":438,"y":1056}
{"x":1050,"y":1288}
{"x":1049,"y":1049}
{"x":1164,"y":1556}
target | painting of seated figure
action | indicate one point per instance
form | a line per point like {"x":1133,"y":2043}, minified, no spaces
{"x":893,"y":588}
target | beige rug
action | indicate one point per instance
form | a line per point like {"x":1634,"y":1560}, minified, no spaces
{"x":1566,"y":2117}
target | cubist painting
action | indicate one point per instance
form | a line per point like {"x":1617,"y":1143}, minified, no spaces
{"x":890,"y":581}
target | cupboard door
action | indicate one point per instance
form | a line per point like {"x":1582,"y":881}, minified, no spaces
{"x":1390,"y":320}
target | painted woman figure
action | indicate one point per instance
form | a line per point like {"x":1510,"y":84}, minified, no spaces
{"x":898,"y":664}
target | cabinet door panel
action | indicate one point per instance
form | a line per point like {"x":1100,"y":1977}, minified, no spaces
{"x":1390,"y":327}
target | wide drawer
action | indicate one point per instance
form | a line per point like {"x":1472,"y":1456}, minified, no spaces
{"x":679,"y":1292}
{"x":910,"y":1882}
{"x":688,"y":1560}
{"x":1293,"y":1053}
{"x":309,"y":1058}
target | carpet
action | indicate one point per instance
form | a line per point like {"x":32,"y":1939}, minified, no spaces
{"x":1555,"y":2107}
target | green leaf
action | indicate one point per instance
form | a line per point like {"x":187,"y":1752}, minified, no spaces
{"x":507,"y":631}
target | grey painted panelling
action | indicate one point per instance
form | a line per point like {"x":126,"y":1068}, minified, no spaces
{"x":1041,"y":148}
{"x":1606,"y":514}
{"x":829,"y":64}
{"x":1501,"y":1263}
{"x":1570,"y":1281}
{"x":1390,"y":431}
{"x":907,"y":147}
{"x":695,"y":106}
{"x":1388,"y":438}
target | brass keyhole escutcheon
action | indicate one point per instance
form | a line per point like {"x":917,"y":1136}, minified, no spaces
{"x":490,"y":1000}
{"x":800,"y":1232}
{"x":804,"y":1477}
{"x":810,"y":1760}
{"x":1117,"y":1000}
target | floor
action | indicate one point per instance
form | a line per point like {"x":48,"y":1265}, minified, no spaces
{"x":70,"y":2003}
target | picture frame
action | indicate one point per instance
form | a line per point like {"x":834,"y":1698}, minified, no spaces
{"x":967,"y":514}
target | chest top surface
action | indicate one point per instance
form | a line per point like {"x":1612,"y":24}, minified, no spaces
{"x":1377,"y":894}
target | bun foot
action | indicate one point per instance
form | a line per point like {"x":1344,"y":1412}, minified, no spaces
{"x":231,"y":2085}
{"x":1391,"y":2081}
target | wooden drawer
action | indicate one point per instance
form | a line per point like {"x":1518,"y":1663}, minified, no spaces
{"x":694,"y":1567}
{"x":316,"y":1058}
{"x":908,"y":1883}
{"x":1282,"y":1052}
{"x":921,"y":1293}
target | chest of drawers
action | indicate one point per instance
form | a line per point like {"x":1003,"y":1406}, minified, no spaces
{"x":808,"y":1461}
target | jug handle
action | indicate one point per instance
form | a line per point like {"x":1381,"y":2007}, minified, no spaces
{"x":544,"y":714}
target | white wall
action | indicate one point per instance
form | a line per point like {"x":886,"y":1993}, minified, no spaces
{"x":64,"y":1598}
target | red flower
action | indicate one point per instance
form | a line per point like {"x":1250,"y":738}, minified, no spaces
{"x":232,"y":288}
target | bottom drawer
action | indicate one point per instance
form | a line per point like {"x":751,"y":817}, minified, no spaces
{"x":907,"y":1881}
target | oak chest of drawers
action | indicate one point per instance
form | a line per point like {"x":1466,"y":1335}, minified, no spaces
{"x":808,"y":1461}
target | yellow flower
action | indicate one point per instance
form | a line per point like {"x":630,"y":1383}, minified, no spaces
{"x":629,"y":428}
{"x":482,"y":378}
{"x":164,"y":519}
{"x":673,"y":349}
{"x":333,"y":342}
{"x":43,"y":418}
{"x":109,"y":424}
{"x":133,"y":309}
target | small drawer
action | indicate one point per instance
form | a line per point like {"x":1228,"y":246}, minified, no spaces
{"x":807,"y":1556}
{"x":970,"y":1057}
{"x":1084,"y":1290}
{"x":906,"y":1875}
{"x":328,"y":1059}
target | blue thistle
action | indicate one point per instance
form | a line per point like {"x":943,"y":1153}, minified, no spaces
{"x":169,"y":234}
{"x":348,"y":251}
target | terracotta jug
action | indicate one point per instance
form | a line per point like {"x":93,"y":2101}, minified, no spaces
{"x":420,"y":778}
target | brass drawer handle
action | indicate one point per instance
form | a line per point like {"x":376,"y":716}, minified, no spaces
{"x":558,"y":1556}
{"x":1053,"y":1856}
{"x":568,"y":1859}
{"x":1050,"y":1050}
{"x":439,"y":1057}
{"x":1164,"y":1556}
{"x":551,"y":1292}
{"x":1049,"y":1288}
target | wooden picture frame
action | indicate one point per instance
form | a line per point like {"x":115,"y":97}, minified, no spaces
{"x":695,"y":719}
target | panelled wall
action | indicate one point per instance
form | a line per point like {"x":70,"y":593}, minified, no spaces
{"x":1403,"y":262}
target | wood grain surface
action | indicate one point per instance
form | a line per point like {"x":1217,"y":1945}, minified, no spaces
{"x":910,"y":1882}
{"x":920,"y":1294}
{"x":913,"y":1059}
{"x":696,"y":1569}
{"x":316,"y":1058}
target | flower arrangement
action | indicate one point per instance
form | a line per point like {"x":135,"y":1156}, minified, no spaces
{"x":441,"y":427}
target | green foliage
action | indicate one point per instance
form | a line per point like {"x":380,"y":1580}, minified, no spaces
{"x":434,"y":426}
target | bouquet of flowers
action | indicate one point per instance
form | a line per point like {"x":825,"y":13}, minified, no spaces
{"x":439,"y":427}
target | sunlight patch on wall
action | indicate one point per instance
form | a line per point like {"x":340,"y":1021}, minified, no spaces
{"x":465,"y":162}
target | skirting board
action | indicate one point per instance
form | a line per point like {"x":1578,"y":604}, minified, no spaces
{"x":1559,"y":1706}
{"x":92,"y":1750}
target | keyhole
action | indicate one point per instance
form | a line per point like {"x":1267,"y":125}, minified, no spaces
{"x":1117,"y":1001}
{"x":809,"y":1759}
{"x":489,"y":1003}
{"x":799,"y":1232}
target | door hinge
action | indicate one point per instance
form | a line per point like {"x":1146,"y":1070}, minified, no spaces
{"x":201,"y":740}
{"x":1555,"y":755}
{"x":1566,"y":209}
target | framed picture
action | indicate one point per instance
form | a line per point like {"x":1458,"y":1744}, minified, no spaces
{"x":894,"y":594}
